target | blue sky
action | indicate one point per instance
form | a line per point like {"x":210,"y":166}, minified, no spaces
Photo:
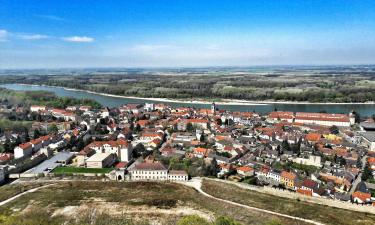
{"x":161,"y":33}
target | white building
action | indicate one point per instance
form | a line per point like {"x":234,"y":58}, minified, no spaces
{"x":148,"y":171}
{"x":313,"y":160}
{"x":37,"y":108}
{"x":177,"y":175}
{"x":121,"y":148}
{"x":25,"y":149}
{"x":100,"y":160}
{"x":155,"y":171}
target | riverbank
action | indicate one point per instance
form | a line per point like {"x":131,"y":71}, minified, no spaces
{"x":220,"y":102}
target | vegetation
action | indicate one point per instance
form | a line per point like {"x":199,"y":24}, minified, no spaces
{"x":69,"y":170}
{"x":86,"y":202}
{"x":27,"y":98}
{"x":320,"y":213}
{"x":7,"y":191}
{"x":282,"y":84}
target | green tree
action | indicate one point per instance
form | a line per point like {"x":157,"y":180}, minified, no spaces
{"x":367,"y":173}
{"x":285,"y":145}
{"x":359,"y":162}
{"x":53,"y":129}
{"x":189,"y":127}
{"x":334,"y":129}
{"x":27,"y":137}
{"x":202,"y":138}
{"x":192,"y":220}
{"x":7,"y":145}
{"x":213,"y":168}
{"x":36,"y":134}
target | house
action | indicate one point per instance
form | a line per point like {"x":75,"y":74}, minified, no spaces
{"x":25,"y":149}
{"x":37,"y":108}
{"x":361,"y":197}
{"x":201,"y":152}
{"x":368,"y":139}
{"x":100,"y":160}
{"x":274,"y":175}
{"x":245,"y":171}
{"x":288,"y":179}
{"x":85,"y":108}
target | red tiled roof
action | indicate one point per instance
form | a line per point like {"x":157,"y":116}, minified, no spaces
{"x":288,"y":175}
{"x":245,"y":168}
{"x":25,"y":145}
{"x":362,"y":196}
{"x":281,"y":115}
{"x":322,"y":117}
{"x":304,"y":192}
{"x":313,"y":137}
{"x":121,"y":165}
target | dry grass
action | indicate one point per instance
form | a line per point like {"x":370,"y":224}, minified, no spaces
{"x":163,"y":202}
{"x":324,"y":214}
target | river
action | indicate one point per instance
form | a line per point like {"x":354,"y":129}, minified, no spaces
{"x":111,"y":101}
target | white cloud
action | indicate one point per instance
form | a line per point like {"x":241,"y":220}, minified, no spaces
{"x":78,"y":39}
{"x":3,"y":35}
{"x":32,"y":36}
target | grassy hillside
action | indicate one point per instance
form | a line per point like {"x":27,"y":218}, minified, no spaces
{"x":324,"y":214}
{"x":122,"y":203}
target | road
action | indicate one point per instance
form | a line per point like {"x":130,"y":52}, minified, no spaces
{"x":196,"y":183}
{"x":359,"y":177}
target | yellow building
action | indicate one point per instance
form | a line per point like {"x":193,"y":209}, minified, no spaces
{"x":288,"y":179}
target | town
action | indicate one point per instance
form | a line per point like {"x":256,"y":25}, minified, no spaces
{"x":321,"y":155}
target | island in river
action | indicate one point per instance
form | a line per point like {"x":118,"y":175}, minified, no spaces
{"x":336,"y":89}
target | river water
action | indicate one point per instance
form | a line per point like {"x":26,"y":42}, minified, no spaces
{"x":110,"y":101}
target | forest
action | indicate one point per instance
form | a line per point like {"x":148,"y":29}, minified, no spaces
{"x":288,"y":85}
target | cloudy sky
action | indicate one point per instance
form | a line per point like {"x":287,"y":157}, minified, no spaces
{"x":173,"y":33}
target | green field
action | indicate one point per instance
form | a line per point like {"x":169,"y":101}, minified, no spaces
{"x":66,"y":169}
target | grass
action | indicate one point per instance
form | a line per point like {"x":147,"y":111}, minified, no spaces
{"x":150,"y":196}
{"x":65,"y":170}
{"x":324,"y":214}
{"x":11,"y":190}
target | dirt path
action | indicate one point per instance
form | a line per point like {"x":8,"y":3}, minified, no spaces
{"x":23,"y":193}
{"x":196,"y":183}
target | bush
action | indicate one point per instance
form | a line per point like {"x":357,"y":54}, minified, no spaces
{"x":192,"y":220}
{"x":222,"y":220}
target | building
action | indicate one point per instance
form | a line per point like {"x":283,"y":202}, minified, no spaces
{"x":100,"y":160}
{"x":178,"y":175}
{"x":148,"y":171}
{"x":120,"y":147}
{"x":155,"y":171}
{"x":324,"y":119}
{"x":288,"y":179}
{"x":281,"y":116}
{"x":25,"y":149}
{"x":361,"y":197}
{"x":245,"y":171}
{"x":368,"y":139}
{"x":312,"y":160}
{"x":37,"y":108}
